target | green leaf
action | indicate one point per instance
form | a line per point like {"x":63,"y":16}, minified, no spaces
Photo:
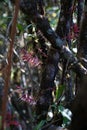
{"x":20,"y":27}
{"x":59,"y":91}
{"x":65,"y":114}
{"x":38,"y":127}
{"x":66,"y":121}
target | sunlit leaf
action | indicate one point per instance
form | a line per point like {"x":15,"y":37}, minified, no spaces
{"x":59,"y":91}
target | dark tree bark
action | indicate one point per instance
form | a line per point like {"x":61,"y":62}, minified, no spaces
{"x":79,"y":106}
{"x":50,"y":71}
{"x":65,"y":20}
{"x":64,"y":31}
{"x":80,"y":11}
{"x":47,"y":84}
{"x":43,"y":25}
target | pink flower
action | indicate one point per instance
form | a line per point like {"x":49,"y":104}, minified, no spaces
{"x":29,"y":57}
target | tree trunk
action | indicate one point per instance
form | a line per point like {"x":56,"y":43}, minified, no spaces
{"x":79,"y":106}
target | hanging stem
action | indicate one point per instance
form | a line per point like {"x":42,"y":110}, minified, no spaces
{"x":8,"y":67}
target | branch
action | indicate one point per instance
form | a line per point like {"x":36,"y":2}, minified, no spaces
{"x":43,"y":24}
{"x":8,"y":68}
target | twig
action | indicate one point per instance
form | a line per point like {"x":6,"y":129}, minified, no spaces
{"x":8,"y":68}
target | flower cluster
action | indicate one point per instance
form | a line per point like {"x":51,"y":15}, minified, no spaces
{"x":31,"y":58}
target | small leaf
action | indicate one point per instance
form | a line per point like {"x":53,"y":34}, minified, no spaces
{"x":38,"y":127}
{"x":59,"y":91}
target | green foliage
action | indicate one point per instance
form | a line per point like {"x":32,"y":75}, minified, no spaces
{"x":59,"y":91}
{"x":66,"y":113}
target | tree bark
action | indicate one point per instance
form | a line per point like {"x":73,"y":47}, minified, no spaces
{"x":79,"y":106}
